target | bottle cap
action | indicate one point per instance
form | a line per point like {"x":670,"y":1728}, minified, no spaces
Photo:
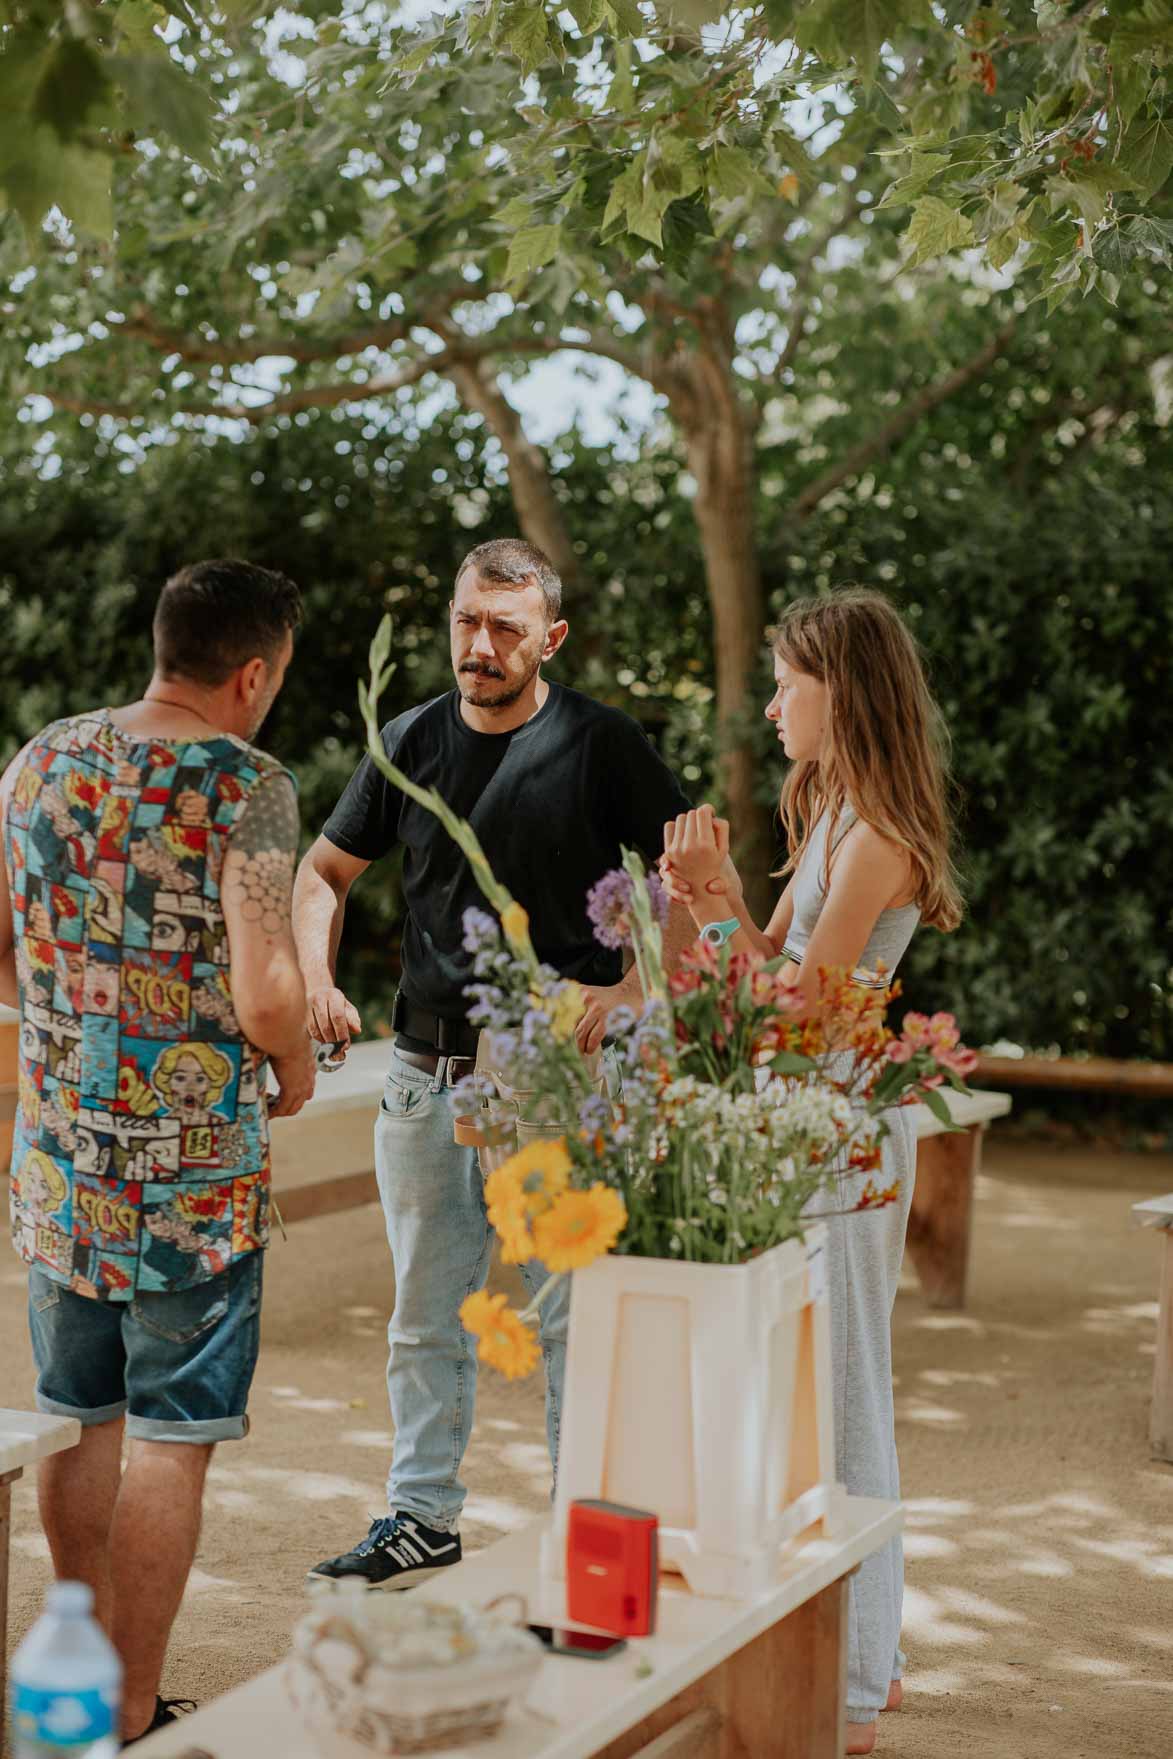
{"x":71,"y":1600}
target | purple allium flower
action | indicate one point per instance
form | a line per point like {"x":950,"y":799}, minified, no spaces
{"x":609,"y":906}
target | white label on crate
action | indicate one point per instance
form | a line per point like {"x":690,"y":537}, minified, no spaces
{"x":816,"y":1272}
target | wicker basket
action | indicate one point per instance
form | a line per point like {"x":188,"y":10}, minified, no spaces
{"x":356,"y":1702}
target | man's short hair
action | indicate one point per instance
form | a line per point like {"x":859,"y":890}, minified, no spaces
{"x":510,"y":561}
{"x":213,"y":617}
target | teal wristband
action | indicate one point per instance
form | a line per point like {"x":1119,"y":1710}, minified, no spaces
{"x":715,"y":934}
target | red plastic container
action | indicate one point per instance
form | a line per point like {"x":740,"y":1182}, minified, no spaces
{"x":612,"y":1568}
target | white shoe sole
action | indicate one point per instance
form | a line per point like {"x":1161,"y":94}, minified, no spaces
{"x":393,"y":1584}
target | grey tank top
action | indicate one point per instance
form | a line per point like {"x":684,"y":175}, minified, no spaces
{"x":889,"y":939}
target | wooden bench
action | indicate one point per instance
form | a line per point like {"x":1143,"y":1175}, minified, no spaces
{"x":1157,"y":1212}
{"x":1080,"y":1075}
{"x":25,"y":1436}
{"x":947,"y":1166}
{"x":761,"y":1678}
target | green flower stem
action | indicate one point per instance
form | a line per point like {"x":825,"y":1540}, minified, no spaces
{"x":551,"y":1282}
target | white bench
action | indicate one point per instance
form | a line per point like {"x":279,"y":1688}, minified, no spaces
{"x":323,"y":1160}
{"x":721,"y":1679}
{"x":25,"y":1436}
{"x":1157,"y":1212}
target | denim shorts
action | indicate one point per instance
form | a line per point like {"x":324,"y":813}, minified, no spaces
{"x":177,"y":1365}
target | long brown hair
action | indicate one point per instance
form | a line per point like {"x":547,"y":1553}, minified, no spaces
{"x":887,"y":751}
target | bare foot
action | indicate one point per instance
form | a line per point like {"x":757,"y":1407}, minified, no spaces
{"x":861,"y":1737}
{"x":895,"y":1696}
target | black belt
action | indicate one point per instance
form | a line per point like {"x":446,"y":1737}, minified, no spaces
{"x":451,"y":1038}
{"x":429,"y":1062}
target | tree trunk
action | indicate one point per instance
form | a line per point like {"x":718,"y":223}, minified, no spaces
{"x":719,"y":443}
{"x":538,"y":513}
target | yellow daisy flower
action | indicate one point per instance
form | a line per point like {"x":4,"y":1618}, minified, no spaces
{"x":579,"y":1228}
{"x":502,"y":1340}
{"x":567,"y":1012}
{"x":515,"y":922}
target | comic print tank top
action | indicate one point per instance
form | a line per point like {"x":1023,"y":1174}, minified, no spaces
{"x":141,"y":1148}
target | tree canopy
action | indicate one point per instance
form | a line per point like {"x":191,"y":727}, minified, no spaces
{"x":1036,"y":131}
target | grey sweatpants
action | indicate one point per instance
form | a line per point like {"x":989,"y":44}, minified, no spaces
{"x":863,"y":1268}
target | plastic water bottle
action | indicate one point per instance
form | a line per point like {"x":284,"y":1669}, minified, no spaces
{"x":66,"y":1683}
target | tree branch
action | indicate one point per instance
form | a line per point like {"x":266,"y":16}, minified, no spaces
{"x":898,"y":424}
{"x":309,"y":397}
{"x":142,"y":326}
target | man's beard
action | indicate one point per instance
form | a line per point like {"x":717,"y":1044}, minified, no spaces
{"x":473,"y":686}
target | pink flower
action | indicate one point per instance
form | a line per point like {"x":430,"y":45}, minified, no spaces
{"x":961,"y":1061}
{"x":943,"y":1031}
{"x":932,"y":1081}
{"x":898,"y":1050}
{"x":916,"y":1030}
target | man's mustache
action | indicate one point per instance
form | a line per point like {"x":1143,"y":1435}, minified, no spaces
{"x":481,"y":671}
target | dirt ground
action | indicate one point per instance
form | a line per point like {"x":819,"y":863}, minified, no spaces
{"x":1039,"y":1610}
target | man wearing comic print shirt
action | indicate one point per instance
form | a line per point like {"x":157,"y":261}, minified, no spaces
{"x":145,"y":938}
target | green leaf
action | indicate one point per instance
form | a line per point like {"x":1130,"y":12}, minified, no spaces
{"x":692,"y":13}
{"x":1087,"y":201}
{"x":1130,"y":83}
{"x":526,"y":32}
{"x":588,"y":15}
{"x":163,"y":100}
{"x":530,"y":249}
{"x":1002,"y":246}
{"x":732,"y":173}
{"x":1113,"y":251}
{"x":923,"y":168}
{"x":930,"y":1097}
{"x":629,"y":21}
{"x":863,"y":27}
{"x":790,"y":1063}
{"x":935,"y":229}
{"x":74,"y":178}
{"x":626,"y":189}
{"x":517,"y":212}
{"x":73,"y":92}
{"x":1146,"y":154}
{"x":1154,"y":237}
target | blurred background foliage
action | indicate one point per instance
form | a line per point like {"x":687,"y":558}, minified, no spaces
{"x":1028,"y":549}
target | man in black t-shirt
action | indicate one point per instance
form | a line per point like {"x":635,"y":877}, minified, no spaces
{"x":554,"y":785}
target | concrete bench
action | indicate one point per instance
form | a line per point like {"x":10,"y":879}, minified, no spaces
{"x":1157,"y":1212}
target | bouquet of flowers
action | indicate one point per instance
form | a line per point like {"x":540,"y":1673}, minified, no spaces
{"x":730,"y":1109}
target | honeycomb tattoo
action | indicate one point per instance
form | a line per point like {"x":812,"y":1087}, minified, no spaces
{"x":258,"y":869}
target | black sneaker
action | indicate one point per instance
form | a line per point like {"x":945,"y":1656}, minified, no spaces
{"x":167,"y":1710}
{"x":398,"y":1552}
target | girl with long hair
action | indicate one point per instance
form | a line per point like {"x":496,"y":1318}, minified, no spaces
{"x":865,"y":811}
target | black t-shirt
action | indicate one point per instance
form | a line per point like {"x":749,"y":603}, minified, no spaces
{"x":551,"y":802}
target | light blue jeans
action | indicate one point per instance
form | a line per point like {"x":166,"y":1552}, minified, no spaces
{"x":434,"y":1206}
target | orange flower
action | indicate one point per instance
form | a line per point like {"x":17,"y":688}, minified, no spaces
{"x":579,"y":1228}
{"x":502,"y":1339}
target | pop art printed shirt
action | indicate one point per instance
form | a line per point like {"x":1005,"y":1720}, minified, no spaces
{"x":141,"y":1150}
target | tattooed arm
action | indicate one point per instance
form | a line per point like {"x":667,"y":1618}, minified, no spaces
{"x":256,"y":891}
{"x":8,"y":985}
